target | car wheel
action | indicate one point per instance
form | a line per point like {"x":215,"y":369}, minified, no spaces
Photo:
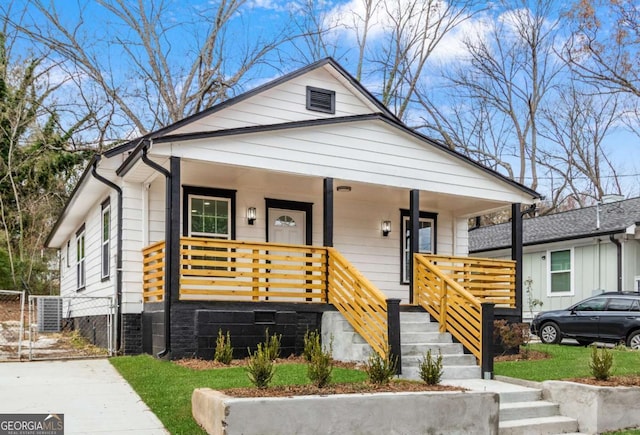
{"x":634,"y":340}
{"x":550,"y":334}
{"x":584,"y":342}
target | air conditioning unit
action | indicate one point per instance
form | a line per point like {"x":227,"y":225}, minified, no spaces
{"x":49,"y":314}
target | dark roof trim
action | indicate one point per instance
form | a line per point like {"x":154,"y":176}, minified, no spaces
{"x":267,"y":128}
{"x":556,"y":240}
{"x":85,"y":174}
{"x":327,"y":61}
{"x":394,"y":122}
{"x":135,"y":155}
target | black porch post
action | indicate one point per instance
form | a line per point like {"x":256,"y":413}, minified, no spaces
{"x":516,"y":254}
{"x":393,"y":332}
{"x":487,"y":340}
{"x":174,"y":249}
{"x":327,"y":213}
{"x":414,"y":245}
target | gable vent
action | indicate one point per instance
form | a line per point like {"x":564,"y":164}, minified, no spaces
{"x":321,"y":100}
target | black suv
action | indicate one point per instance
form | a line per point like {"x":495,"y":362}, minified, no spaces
{"x":608,"y":317}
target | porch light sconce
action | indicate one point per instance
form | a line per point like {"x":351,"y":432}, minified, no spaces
{"x":343,"y":188}
{"x":386,"y":228}
{"x":251,"y":215}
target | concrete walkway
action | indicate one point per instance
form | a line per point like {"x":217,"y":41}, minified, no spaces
{"x":91,"y":394}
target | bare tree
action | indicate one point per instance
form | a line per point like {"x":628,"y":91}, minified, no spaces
{"x":576,"y":158}
{"x":605,"y":45}
{"x":509,"y":72}
{"x":149,"y":68}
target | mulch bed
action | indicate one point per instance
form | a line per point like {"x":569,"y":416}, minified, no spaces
{"x":395,"y":386}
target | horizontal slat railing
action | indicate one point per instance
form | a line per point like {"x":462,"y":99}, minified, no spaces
{"x":360,"y":302}
{"x":244,"y":271}
{"x":153,"y":281}
{"x":489,"y":280}
{"x":457,"y":310}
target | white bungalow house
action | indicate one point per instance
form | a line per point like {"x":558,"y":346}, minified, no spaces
{"x":303,"y":195}
{"x":571,"y":255}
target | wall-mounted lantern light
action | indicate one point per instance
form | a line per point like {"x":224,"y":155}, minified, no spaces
{"x":386,"y":228}
{"x":251,"y":215}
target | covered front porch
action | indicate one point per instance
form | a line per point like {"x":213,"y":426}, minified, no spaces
{"x":459,"y":292}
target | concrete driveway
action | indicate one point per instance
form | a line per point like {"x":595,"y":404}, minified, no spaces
{"x":91,"y":394}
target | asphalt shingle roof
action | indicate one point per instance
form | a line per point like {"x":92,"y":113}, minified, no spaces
{"x":573,"y":224}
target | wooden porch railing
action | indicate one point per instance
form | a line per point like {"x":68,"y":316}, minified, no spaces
{"x":359,"y":301}
{"x":153,"y":275}
{"x":245,"y":271}
{"x":452,"y":289}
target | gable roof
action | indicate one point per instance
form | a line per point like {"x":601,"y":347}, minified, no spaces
{"x":614,"y":217}
{"x":246,"y":95}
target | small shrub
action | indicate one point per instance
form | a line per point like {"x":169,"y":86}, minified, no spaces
{"x":311,"y":344}
{"x":430,"y":369}
{"x":601,"y":363}
{"x":260,"y":367}
{"x":511,"y":335}
{"x":224,"y":351}
{"x":320,"y":366}
{"x":272,"y":345}
{"x":380,"y":369}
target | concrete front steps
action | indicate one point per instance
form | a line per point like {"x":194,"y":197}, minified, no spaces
{"x":418,"y":334}
{"x":522,"y":410}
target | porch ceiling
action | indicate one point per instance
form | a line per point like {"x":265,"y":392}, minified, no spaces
{"x":230,"y":176}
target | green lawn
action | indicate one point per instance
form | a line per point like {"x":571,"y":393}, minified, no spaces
{"x":566,"y":362}
{"x":166,"y":387}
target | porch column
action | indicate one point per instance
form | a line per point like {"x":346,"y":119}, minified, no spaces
{"x":414,"y":238}
{"x":174,"y":249}
{"x":327,"y":213}
{"x":487,"y":340}
{"x":393,"y":333}
{"x":516,"y":254}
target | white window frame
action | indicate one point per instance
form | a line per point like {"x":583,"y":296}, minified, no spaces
{"x":81,"y":256}
{"x":105,"y":242}
{"x":406,"y":248}
{"x":226,"y":236}
{"x":571,"y":271}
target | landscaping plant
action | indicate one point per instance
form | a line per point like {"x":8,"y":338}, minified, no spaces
{"x":224,"y":350}
{"x":272,"y":345}
{"x":320,"y":365}
{"x":380,"y":369}
{"x":601,"y":363}
{"x":431,"y":369}
{"x":511,"y":335}
{"x":311,"y":344}
{"x":260,"y":367}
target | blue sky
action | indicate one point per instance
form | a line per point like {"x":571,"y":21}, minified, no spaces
{"x":261,"y":20}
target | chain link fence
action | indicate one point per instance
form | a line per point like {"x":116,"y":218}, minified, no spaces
{"x":12,"y":321}
{"x":62,"y":327}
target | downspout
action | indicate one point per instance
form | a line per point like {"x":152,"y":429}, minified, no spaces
{"x":117,"y":188}
{"x":619,"y":260}
{"x":167,"y":244}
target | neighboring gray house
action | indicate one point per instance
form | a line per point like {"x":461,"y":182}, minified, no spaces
{"x":571,"y":255}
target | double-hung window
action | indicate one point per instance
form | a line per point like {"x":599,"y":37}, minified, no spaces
{"x":80,"y":259}
{"x":426,"y":239}
{"x":560,"y":272}
{"x":208,"y":213}
{"x":106,"y":237}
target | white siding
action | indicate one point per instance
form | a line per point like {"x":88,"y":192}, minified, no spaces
{"x":369,"y":152}
{"x":283,"y":103}
{"x":132,"y":238}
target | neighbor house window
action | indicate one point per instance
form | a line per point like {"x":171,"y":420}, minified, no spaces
{"x":80,"y":259}
{"x":426,"y":239}
{"x":106,"y":237}
{"x":560,"y":273}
